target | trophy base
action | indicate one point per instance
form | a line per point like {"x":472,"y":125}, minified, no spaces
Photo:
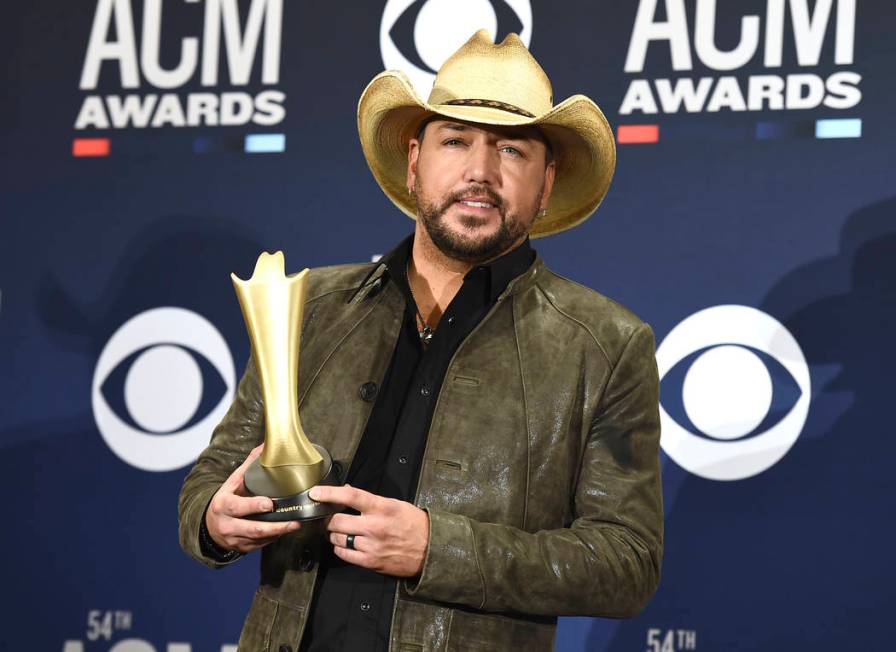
{"x":299,"y":506}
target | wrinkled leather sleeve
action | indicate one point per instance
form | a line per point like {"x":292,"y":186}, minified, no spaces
{"x":241,"y":430}
{"x":607,"y":563}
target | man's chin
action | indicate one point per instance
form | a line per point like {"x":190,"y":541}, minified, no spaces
{"x":466,"y":236}
{"x":459,"y":220}
{"x":469,"y":245}
{"x":473,"y":233}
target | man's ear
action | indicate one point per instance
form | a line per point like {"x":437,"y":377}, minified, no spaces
{"x":413,"y":154}
{"x":550,"y":172}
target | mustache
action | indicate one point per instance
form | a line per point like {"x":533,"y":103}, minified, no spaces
{"x":480,"y":191}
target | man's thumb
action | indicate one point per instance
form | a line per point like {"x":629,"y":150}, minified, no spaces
{"x":235,"y":480}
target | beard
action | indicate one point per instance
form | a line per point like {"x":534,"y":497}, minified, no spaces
{"x":470,"y":249}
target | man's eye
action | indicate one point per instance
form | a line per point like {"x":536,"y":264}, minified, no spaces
{"x":453,"y":141}
{"x":511,"y":150}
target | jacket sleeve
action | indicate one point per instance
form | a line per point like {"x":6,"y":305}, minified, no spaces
{"x":607,"y":562}
{"x":241,"y":430}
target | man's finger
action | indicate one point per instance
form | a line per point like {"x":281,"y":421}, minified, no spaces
{"x":239,"y":506}
{"x":235,"y":481}
{"x":355,"y":557}
{"x":248,"y":543}
{"x":259,"y":530}
{"x":348,"y":524}
{"x":347,"y":495}
{"x":341,"y":541}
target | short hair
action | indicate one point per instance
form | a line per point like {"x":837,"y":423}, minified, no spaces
{"x":548,"y":149}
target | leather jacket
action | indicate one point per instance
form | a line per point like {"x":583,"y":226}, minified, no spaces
{"x":540,"y":476}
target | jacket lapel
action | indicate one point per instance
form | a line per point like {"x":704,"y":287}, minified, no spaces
{"x":345,"y":347}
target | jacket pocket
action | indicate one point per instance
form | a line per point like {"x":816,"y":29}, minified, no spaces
{"x":479,"y":632}
{"x":465,"y":384}
{"x":269,"y":625}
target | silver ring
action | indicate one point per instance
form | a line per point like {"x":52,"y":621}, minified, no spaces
{"x":350,"y":541}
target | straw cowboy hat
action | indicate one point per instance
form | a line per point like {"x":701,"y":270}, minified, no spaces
{"x":495,"y":85}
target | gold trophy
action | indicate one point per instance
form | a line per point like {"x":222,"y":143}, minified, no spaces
{"x":272,"y":305}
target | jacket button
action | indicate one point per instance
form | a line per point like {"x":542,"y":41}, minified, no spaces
{"x":306,"y":560}
{"x":285,"y":648}
{"x":367,"y":391}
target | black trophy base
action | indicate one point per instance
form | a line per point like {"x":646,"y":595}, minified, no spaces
{"x":300,"y":506}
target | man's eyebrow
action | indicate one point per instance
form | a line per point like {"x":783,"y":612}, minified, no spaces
{"x":516,"y":134}
{"x":508,"y":133}
{"x":453,"y":126}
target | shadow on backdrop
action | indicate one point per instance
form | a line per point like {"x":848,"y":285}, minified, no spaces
{"x":793,"y":558}
{"x":178,"y":261}
{"x":110,"y":506}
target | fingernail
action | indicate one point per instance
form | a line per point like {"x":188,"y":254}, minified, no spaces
{"x":314,"y":493}
{"x":266,"y":505}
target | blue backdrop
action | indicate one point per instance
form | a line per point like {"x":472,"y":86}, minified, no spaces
{"x":151,"y":148}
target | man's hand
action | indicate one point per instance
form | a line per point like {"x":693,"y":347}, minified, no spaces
{"x":391,"y":536}
{"x":224,"y":515}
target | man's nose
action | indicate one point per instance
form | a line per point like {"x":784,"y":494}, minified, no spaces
{"x":483,"y":164}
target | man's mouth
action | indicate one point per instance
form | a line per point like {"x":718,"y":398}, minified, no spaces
{"x":476,"y":203}
{"x":481,"y":200}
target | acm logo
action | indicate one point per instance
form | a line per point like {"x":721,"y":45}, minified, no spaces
{"x":416,"y":36}
{"x":114,"y":47}
{"x":763,"y":39}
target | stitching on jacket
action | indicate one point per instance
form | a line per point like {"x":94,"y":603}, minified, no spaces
{"x":341,"y":289}
{"x":615,"y":365}
{"x":270,"y":635}
{"x":328,"y":293}
{"x":448,"y":633}
{"x":575,"y":320}
{"x":519,"y":355}
{"x":586,"y":432}
{"x":478,"y":565}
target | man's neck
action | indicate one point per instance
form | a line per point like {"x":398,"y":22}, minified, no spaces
{"x":434,"y":277}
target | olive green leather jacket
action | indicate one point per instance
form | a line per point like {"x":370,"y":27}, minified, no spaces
{"x":540,"y":475}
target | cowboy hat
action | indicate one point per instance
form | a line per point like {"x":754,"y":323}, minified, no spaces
{"x":494,"y":85}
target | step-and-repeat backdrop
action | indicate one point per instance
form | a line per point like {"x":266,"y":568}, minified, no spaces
{"x":152,"y":147}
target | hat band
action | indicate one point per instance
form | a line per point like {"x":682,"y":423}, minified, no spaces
{"x":491,"y":104}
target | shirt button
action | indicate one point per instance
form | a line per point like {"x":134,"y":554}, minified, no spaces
{"x":367,"y":391}
{"x":403,"y":459}
{"x":451,"y":319}
{"x":426,"y":391}
{"x":365,"y":606}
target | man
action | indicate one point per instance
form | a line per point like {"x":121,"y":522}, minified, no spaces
{"x":499,"y":423}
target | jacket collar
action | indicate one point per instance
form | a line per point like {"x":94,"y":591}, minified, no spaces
{"x":503,"y":272}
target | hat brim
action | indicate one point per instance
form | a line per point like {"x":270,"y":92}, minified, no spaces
{"x":390,"y":111}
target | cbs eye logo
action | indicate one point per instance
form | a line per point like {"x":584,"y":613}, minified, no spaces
{"x":744,"y":386}
{"x":416,"y":36}
{"x":161,"y":384}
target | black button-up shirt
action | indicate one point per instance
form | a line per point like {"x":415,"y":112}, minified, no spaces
{"x":352,"y":606}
